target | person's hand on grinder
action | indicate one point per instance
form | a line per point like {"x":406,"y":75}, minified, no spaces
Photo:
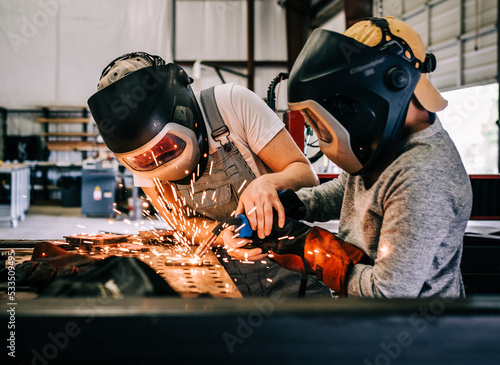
{"x":264,"y":207}
{"x":234,"y":245}
{"x":258,"y":202}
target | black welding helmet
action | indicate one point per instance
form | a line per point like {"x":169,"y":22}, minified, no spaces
{"x":152,"y":122}
{"x":355,"y":97}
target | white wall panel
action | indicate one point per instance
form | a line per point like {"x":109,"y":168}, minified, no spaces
{"x":445,"y":76}
{"x":479,"y":13}
{"x":270,"y":31}
{"x":480,"y":64}
{"x":53,"y":51}
{"x":210,"y":30}
{"x":29,"y":60}
{"x":217,"y":30}
{"x":444,"y":21}
{"x":411,"y":5}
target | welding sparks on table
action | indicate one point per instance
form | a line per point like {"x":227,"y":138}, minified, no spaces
{"x":200,"y":157}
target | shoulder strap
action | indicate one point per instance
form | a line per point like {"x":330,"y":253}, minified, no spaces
{"x":214,"y":119}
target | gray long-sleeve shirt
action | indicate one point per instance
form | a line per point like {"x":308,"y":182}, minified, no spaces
{"x":410,"y":223}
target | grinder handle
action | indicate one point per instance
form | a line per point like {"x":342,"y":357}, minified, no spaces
{"x":245,"y":230}
{"x":294,"y":208}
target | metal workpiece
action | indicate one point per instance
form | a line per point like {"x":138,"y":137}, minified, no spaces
{"x":189,"y":275}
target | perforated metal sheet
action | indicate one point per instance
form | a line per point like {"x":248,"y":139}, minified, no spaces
{"x":189,"y":277}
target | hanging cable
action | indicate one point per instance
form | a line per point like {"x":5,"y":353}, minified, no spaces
{"x":271,"y":96}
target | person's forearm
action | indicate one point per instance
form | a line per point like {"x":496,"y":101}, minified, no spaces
{"x":322,"y":202}
{"x":295,"y":176}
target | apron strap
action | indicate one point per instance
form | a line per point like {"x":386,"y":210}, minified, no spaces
{"x":214,"y":119}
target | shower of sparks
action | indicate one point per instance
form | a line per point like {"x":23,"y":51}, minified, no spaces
{"x":211,"y":166}
{"x":239,"y":228}
{"x":241,"y":187}
{"x":251,"y":211}
{"x":282,"y":238}
{"x":154,"y":158}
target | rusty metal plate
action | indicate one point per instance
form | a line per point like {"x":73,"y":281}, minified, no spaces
{"x":86,"y":241}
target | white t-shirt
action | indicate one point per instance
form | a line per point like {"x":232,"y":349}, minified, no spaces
{"x":251,"y":123}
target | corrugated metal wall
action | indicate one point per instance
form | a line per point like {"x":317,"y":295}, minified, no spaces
{"x":461,"y":33}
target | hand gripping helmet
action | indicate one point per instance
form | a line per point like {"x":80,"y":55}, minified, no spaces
{"x":147,"y":114}
{"x":355,"y":96}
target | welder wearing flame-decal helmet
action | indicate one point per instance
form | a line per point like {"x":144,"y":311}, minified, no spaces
{"x":354,"y":89}
{"x":148,"y":116}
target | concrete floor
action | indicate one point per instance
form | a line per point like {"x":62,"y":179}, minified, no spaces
{"x":55,"y":222}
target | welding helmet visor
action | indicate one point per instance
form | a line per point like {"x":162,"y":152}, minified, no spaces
{"x":152,"y":122}
{"x":169,"y":156}
{"x":355,"y":98}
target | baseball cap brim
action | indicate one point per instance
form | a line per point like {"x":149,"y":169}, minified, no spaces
{"x":427,"y":94}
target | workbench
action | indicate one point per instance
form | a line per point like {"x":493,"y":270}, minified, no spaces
{"x":257,"y":331}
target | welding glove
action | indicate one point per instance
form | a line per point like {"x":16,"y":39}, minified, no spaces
{"x":49,"y":262}
{"x":311,"y":250}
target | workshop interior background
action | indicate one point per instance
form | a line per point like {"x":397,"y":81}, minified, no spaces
{"x":53,"y":163}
